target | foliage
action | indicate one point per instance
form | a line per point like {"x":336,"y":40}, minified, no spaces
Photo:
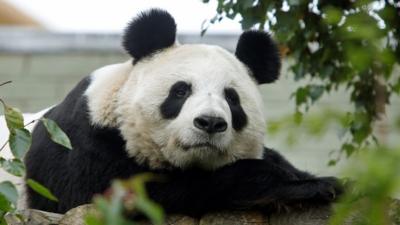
{"x":378,"y":178}
{"x":42,"y":190}
{"x":125,"y":198}
{"x":352,"y":44}
{"x":19,"y":142}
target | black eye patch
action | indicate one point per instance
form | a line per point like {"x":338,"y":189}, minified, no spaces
{"x":177,"y":96}
{"x":239,"y":117}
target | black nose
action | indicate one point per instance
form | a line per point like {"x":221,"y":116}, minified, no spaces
{"x":210,"y":124}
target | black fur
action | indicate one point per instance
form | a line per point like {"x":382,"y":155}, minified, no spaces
{"x":177,"y":96}
{"x":260,"y":54}
{"x":98,"y":157}
{"x":239,"y":117}
{"x":148,"y":33}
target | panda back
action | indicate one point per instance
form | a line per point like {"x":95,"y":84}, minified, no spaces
{"x":70,"y":173}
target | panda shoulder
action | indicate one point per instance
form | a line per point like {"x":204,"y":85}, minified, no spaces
{"x":101,"y":92}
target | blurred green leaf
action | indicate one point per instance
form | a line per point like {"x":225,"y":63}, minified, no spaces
{"x":333,"y":15}
{"x":92,"y":220}
{"x":332,"y":162}
{"x":361,"y":26}
{"x":5,"y":204}
{"x":13,"y":166}
{"x":298,"y":117}
{"x":370,"y":199}
{"x":301,"y":95}
{"x":360,"y":58}
{"x":42,"y":190}
{"x":56,"y":134}
{"x":315,"y":92}
{"x":13,"y":116}
{"x":8,"y":190}
{"x":126,"y":197}
{"x":348,"y":148}
{"x":20,"y":141}
{"x":152,"y":210}
{"x":294,"y":2}
{"x":396,"y":86}
{"x":248,"y":23}
{"x":111,"y":210}
{"x":246,"y":3}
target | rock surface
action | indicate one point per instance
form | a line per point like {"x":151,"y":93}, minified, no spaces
{"x":76,"y":217}
{"x":312,"y":216}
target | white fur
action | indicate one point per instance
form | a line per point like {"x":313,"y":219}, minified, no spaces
{"x":103,"y":90}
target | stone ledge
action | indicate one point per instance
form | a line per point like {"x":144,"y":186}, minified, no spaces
{"x":310,"y":216}
{"x":313,"y":216}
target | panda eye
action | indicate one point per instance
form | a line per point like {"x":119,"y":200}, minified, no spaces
{"x":232,"y":96}
{"x":181,"y":93}
{"x":181,"y":89}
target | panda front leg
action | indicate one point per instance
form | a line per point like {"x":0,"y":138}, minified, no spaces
{"x":245,"y":184}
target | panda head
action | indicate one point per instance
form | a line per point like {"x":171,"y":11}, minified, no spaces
{"x":192,"y":105}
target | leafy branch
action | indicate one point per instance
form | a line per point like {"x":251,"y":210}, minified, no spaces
{"x":19,"y":141}
{"x":332,"y":44}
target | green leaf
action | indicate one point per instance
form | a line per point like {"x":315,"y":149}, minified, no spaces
{"x":42,"y":190}
{"x":246,"y":3}
{"x":14,"y":166}
{"x":151,"y":209}
{"x":248,"y":23}
{"x":56,"y":134}
{"x":396,"y":86}
{"x":301,"y":95}
{"x":348,"y":148}
{"x":20,"y":141}
{"x":332,"y":15}
{"x":8,"y":190}
{"x":5,"y":204}
{"x":14,"y":118}
{"x":144,"y":204}
{"x":298,"y":117}
{"x":315,"y":92}
{"x":92,"y":220}
{"x":332,"y":162}
{"x":293,"y":2}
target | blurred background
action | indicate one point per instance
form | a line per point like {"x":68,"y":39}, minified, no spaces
{"x":47,"y":46}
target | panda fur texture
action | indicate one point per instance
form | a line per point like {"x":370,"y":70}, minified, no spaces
{"x":191,"y":113}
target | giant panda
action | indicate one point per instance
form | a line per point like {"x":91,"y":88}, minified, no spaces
{"x":191,"y":113}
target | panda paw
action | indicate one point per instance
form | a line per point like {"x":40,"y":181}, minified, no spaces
{"x":329,"y":189}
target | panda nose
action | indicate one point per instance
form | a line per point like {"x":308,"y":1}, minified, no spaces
{"x":210,"y":124}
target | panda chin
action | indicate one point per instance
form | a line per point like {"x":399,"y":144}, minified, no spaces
{"x":205,"y":155}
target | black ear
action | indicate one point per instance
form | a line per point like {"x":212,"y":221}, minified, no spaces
{"x":260,"y":54}
{"x":149,"y":32}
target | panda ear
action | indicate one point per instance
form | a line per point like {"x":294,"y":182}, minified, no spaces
{"x":260,"y":54}
{"x":149,"y":32}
